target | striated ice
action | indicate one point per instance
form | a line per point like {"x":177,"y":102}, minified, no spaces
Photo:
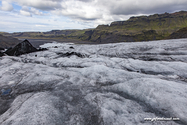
{"x":108,"y":84}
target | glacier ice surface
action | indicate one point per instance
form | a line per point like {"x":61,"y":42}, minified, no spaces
{"x":109,"y":84}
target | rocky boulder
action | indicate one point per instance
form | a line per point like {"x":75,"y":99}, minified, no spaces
{"x":22,"y":48}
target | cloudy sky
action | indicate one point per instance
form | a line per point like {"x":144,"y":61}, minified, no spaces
{"x":45,"y":15}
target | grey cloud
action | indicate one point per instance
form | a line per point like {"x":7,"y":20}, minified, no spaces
{"x":145,"y":7}
{"x":57,"y":0}
{"x":29,"y":11}
{"x":6,"y":6}
{"x":86,"y":0}
{"x":103,"y":10}
{"x":45,"y":5}
{"x":85,"y":18}
{"x":25,"y":13}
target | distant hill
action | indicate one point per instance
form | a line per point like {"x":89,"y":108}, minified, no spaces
{"x":62,"y":34}
{"x":8,"y":41}
{"x":140,"y":28}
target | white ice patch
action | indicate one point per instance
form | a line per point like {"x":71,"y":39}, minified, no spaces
{"x":11,"y":82}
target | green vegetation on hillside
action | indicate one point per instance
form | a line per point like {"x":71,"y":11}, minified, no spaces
{"x":142,"y":28}
{"x":181,"y":33}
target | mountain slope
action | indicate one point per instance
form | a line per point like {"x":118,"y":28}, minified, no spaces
{"x":8,"y":41}
{"x":142,"y":28}
{"x":181,"y":33}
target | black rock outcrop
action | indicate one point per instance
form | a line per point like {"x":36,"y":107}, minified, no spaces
{"x":22,"y":48}
{"x":68,"y":54}
{"x":1,"y":54}
{"x":71,"y":47}
{"x":1,"y":48}
{"x":42,"y":49}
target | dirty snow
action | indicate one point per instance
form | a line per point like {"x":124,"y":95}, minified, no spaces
{"x":109,"y":84}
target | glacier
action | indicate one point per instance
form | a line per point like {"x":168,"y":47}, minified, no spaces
{"x":105,"y":84}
